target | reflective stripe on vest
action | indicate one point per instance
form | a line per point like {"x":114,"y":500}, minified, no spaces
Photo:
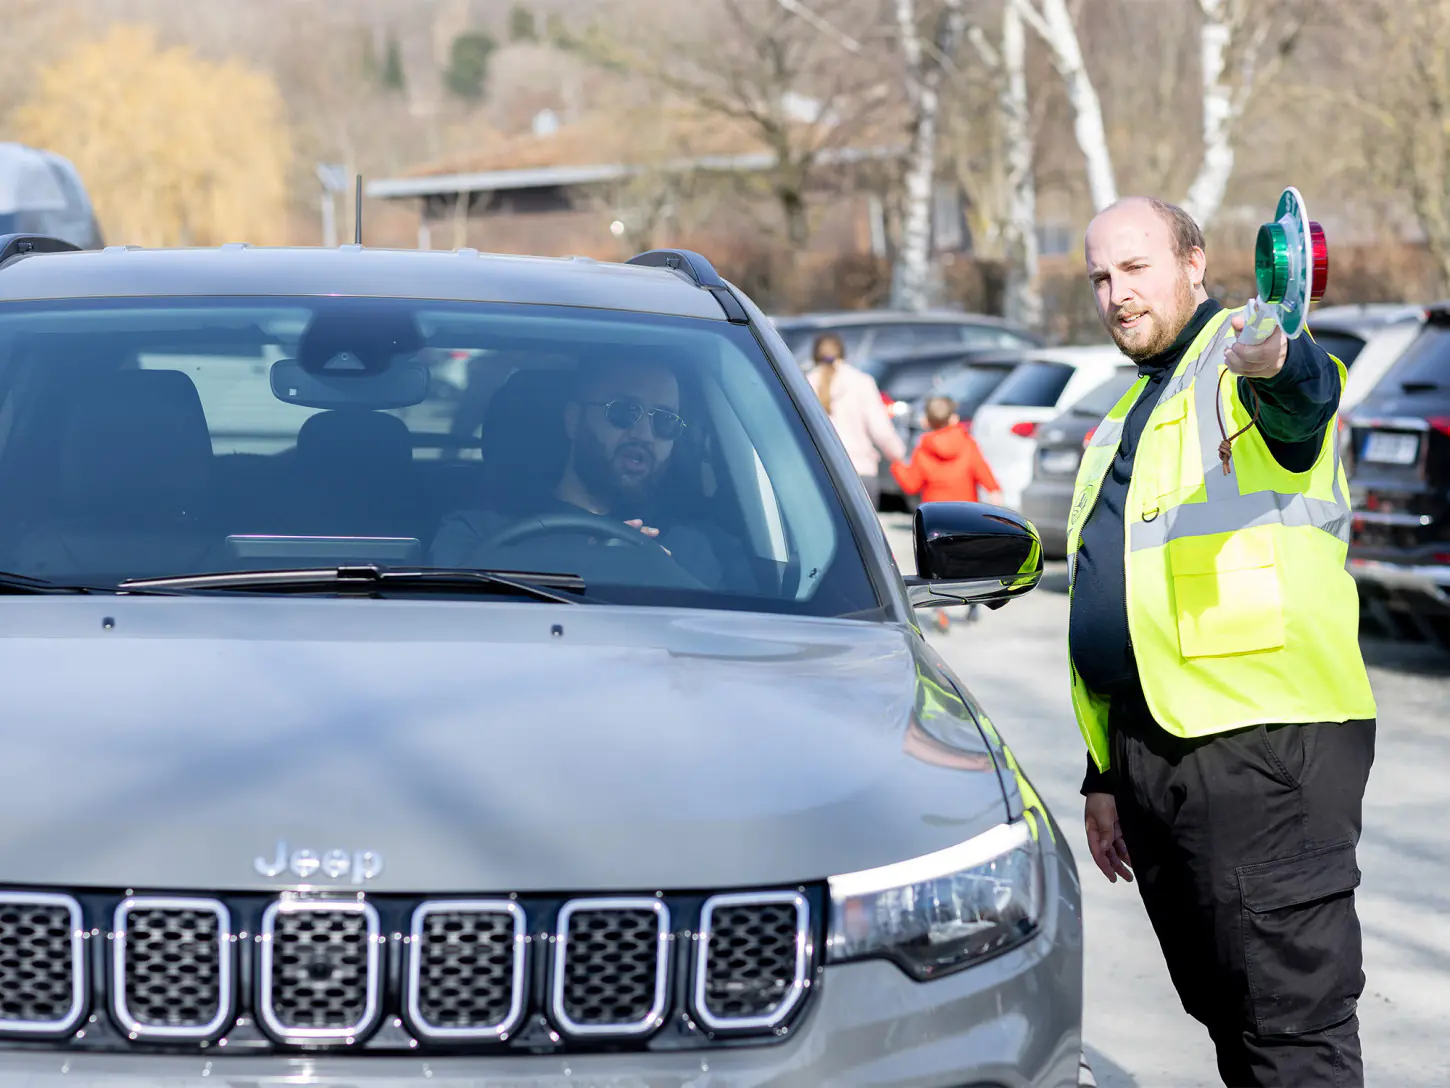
{"x":1240,"y":609}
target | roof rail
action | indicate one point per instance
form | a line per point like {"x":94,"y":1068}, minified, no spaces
{"x":14,"y":245}
{"x":701,"y":273}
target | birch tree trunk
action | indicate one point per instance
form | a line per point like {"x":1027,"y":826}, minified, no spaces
{"x":1242,"y":43}
{"x":1206,"y":193}
{"x":1053,"y":23}
{"x":910,"y":285}
{"x":1024,"y":300}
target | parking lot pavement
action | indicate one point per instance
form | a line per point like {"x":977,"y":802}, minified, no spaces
{"x":1015,"y":661}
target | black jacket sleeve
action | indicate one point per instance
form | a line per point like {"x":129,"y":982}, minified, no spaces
{"x":1296,"y":404}
{"x":1096,"y":781}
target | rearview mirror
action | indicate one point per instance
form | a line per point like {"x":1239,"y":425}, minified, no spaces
{"x":972,"y":553}
{"x":401,"y":386}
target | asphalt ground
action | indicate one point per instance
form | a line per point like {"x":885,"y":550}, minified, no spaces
{"x":1136,"y":1033}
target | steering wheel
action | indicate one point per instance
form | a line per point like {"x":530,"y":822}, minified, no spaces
{"x":592,"y":524}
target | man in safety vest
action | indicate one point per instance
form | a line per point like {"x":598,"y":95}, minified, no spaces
{"x":1216,"y":672}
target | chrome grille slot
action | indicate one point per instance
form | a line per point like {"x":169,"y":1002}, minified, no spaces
{"x":610,"y":967}
{"x":754,"y":958}
{"x":320,"y":969}
{"x":173,"y":967}
{"x":466,"y":969}
{"x":41,"y":962}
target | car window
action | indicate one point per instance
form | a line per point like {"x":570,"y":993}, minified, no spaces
{"x":970,"y":386}
{"x":1100,"y":400}
{"x":144,"y":437}
{"x":898,"y":337}
{"x":1426,"y":362}
{"x":1036,"y":383}
{"x":1342,"y":345}
{"x":907,"y":380}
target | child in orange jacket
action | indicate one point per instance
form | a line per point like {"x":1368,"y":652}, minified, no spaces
{"x":947,"y":466}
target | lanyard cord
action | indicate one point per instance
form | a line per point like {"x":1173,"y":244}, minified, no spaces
{"x":1225,"y":448}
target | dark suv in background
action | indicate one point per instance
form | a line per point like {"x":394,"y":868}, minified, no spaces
{"x":1398,"y":459}
{"x":869,"y":333}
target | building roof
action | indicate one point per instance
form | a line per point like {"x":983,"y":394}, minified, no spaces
{"x":612,"y":148}
{"x":462,"y":275}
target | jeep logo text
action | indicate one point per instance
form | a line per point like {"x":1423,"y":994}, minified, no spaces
{"x":359,"y":866}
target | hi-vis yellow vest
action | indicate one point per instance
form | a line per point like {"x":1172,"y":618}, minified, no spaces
{"x":1240,"y":609}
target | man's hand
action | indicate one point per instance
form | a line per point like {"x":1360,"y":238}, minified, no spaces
{"x":1105,"y":837}
{"x":638,"y":523}
{"x":1256,"y":360}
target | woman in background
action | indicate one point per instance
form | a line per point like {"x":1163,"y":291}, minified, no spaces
{"x":852,"y":400}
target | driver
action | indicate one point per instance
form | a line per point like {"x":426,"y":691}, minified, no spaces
{"x":622,"y":423}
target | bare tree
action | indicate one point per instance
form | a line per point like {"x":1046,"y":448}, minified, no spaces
{"x":764,"y":67}
{"x":1053,"y":22}
{"x":1024,"y":299}
{"x":1401,"y":93}
{"x":924,"y":66}
{"x":1242,"y":45}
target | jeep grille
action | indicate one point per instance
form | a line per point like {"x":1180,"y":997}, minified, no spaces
{"x":254,"y":973}
{"x":41,"y":978}
{"x":173,"y":966}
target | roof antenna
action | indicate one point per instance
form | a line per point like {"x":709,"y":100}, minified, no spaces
{"x":357,"y":234}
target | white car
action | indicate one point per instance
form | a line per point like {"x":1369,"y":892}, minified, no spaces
{"x":1045,"y":382}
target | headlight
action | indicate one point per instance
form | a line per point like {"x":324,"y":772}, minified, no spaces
{"x":943,"y":911}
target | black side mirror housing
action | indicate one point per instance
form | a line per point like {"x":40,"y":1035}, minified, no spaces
{"x":972,"y":553}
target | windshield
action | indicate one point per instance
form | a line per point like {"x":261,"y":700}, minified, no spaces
{"x":658,"y":459}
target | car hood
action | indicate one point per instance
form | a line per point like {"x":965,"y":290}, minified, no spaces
{"x":159,"y":743}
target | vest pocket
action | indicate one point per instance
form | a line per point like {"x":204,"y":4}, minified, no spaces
{"x":1226,"y":594}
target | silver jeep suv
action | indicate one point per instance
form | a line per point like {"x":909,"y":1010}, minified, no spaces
{"x":450,"y":668}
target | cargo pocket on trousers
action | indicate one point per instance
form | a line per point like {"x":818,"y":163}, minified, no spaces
{"x":1302,"y":948}
{"x":1226,"y":594}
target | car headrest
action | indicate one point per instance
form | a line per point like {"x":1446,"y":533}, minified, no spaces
{"x":523,"y":439}
{"x":135,"y":447}
{"x":349,"y":439}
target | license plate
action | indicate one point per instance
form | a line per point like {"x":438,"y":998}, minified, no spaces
{"x":1058,"y":462}
{"x":1391,"y":449}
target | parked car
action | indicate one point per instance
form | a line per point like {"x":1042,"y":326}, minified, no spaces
{"x":285,"y":795}
{"x":42,"y":193}
{"x":871,"y":333}
{"x":1047,"y":500}
{"x":1047,"y":379}
{"x":1398,"y":460}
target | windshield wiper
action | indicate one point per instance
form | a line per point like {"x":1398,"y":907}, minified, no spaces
{"x":369,"y":580}
{"x":25,"y":583}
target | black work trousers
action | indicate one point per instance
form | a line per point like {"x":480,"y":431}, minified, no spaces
{"x":1243,"y":845}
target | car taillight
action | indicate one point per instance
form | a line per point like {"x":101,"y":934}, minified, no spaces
{"x":1440,"y":557}
{"x":887,"y":399}
{"x":1440,"y":423}
{"x":1024,"y":430}
{"x":1087,"y":438}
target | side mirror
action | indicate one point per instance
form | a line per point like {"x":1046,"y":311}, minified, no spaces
{"x":972,"y":553}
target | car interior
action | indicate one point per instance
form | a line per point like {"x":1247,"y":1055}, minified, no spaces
{"x":110,"y":464}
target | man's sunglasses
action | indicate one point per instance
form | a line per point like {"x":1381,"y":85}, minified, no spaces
{"x":624,"y":414}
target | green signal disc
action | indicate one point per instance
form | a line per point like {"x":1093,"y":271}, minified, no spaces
{"x":1271,"y":263}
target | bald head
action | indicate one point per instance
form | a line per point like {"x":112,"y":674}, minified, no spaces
{"x":1145,"y":262}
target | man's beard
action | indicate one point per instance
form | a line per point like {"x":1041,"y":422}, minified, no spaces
{"x":1166,"y":326}
{"x":595,"y":468}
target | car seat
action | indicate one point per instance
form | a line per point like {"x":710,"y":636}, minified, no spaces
{"x":134,"y":475}
{"x":355,"y":476}
{"x":525,"y":448}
